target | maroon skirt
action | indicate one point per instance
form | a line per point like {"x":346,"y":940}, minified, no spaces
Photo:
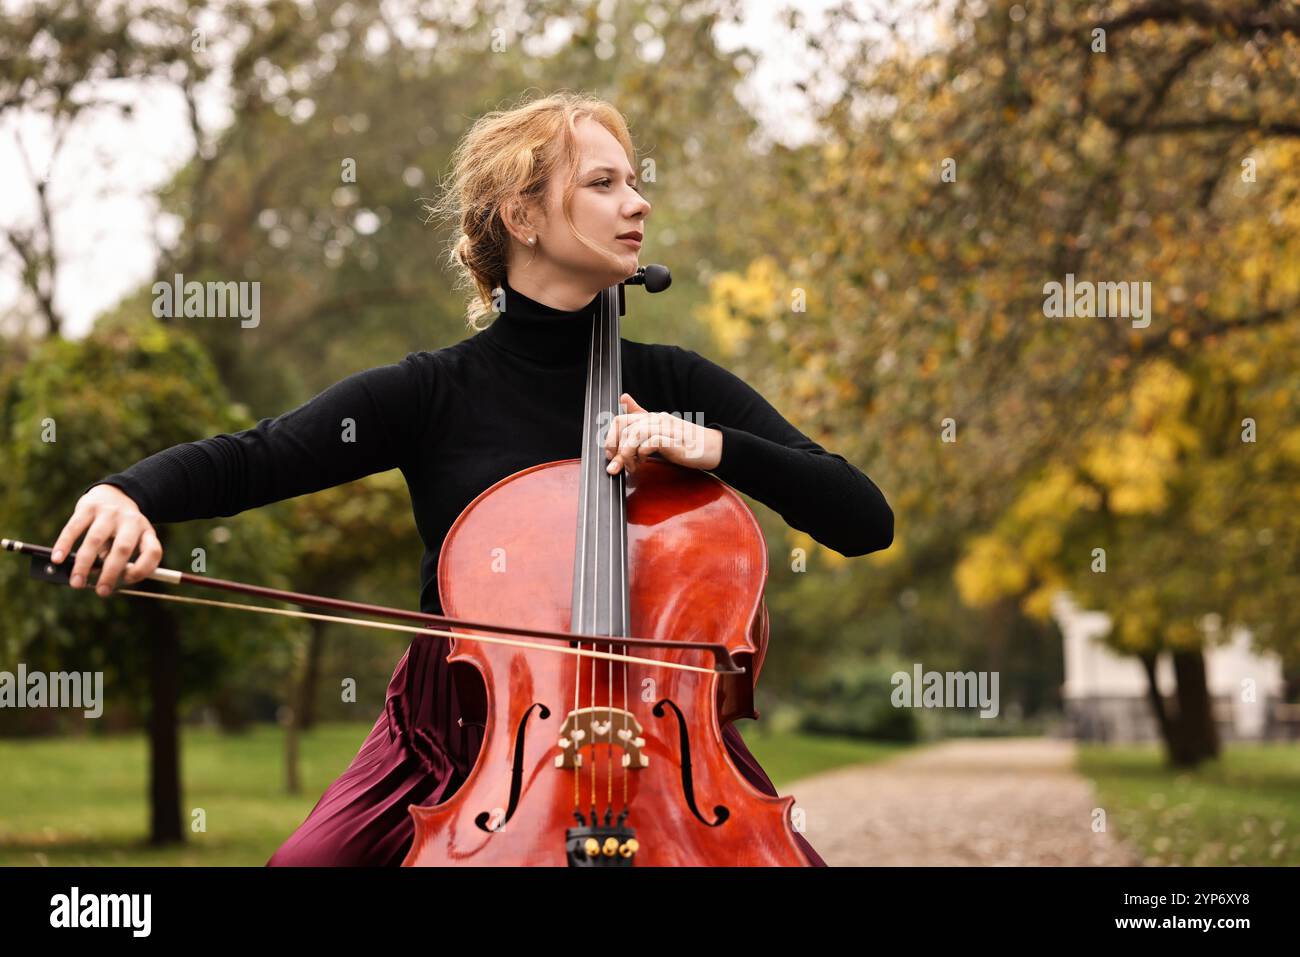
{"x":417,"y":753}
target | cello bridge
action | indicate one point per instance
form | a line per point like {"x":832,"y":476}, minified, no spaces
{"x":588,"y":727}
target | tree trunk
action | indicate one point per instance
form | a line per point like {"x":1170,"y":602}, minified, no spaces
{"x":291,"y":713}
{"x":292,"y":782}
{"x":1164,"y":722}
{"x":1195,"y":708}
{"x":1188,"y":732}
{"x":164,"y":737}
{"x":311,"y":676}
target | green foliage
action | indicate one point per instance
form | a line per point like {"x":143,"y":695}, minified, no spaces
{"x":77,"y":412}
{"x":853,"y":699}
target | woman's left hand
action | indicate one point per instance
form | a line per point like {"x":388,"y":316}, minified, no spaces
{"x":636,"y":434}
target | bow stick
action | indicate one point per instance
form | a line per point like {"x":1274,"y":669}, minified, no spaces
{"x":44,"y":569}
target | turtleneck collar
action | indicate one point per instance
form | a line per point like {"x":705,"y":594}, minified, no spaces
{"x":540,"y":332}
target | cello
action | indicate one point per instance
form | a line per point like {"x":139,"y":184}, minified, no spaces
{"x":591,"y":762}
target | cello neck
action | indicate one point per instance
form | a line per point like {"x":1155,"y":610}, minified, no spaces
{"x":600,"y":579}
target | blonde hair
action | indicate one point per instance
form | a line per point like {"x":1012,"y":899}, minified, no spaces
{"x":507,"y":159}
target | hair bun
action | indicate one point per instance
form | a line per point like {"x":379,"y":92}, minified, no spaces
{"x":464,"y":246}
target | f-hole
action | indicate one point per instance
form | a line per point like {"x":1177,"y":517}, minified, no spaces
{"x":516,"y":771}
{"x":688,"y":782}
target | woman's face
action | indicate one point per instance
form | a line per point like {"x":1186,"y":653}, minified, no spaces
{"x":605,"y":205}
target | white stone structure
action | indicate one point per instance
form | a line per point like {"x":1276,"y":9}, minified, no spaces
{"x":1105,"y":693}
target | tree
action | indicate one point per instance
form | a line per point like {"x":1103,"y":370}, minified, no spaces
{"x":1105,"y":526}
{"x":900,"y":315}
{"x":77,"y":412}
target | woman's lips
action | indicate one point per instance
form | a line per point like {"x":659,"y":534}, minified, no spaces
{"x":634,"y":243}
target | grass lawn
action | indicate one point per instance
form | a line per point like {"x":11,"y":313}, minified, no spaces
{"x":1241,"y":809}
{"x":786,"y":757}
{"x":82,"y":801}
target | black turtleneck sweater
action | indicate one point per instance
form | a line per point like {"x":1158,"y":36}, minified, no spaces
{"x":458,"y":419}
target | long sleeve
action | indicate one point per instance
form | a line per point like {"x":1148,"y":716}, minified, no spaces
{"x":767,"y":458}
{"x":363,"y":424}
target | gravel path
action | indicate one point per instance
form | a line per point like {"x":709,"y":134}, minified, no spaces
{"x":1003,"y":801}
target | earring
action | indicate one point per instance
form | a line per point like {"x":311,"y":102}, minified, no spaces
{"x":531,"y":240}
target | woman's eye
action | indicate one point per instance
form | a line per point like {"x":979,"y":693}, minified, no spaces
{"x":609,"y":182}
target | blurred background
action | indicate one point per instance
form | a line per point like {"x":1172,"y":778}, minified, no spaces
{"x":862,"y":205}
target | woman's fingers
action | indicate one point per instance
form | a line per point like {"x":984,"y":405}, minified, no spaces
{"x":81,"y":519}
{"x":615,"y":444}
{"x":638,"y":442}
{"x":77,"y":524}
{"x":630,"y":404}
{"x":147,"y":561}
{"x":101,"y":529}
{"x":628,"y":441}
{"x":113,"y":526}
{"x":615,"y":441}
{"x":124,"y":541}
{"x":649,"y":445}
{"x":614,"y":434}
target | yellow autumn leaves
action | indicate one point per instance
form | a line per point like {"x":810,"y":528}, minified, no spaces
{"x":1129,"y":470}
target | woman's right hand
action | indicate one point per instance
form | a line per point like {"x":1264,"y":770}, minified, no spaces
{"x":109,"y":514}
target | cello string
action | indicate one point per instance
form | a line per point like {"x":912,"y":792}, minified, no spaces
{"x":623,"y":560}
{"x":614,"y":486}
{"x":580,"y":564}
{"x":596,"y":565}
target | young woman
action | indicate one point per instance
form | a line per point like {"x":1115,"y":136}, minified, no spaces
{"x":550,"y":214}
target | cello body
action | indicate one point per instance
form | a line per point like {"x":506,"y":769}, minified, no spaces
{"x":633,"y":748}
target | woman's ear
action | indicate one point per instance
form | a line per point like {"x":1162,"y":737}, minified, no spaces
{"x":511,"y":220}
{"x":518,"y":222}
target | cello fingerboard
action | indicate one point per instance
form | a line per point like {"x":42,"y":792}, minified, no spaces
{"x":600,"y":580}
